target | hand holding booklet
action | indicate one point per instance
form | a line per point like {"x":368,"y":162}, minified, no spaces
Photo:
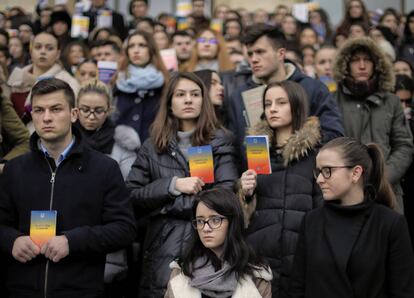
{"x":201,"y":163}
{"x":258,"y":157}
{"x":42,"y":226}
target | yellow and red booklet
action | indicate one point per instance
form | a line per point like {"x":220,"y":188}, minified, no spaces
{"x":258,"y":158}
{"x":201,"y":163}
{"x":42,"y":226}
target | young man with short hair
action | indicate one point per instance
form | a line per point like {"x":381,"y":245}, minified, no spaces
{"x":183,"y":44}
{"x":81,"y":190}
{"x":266,"y":56}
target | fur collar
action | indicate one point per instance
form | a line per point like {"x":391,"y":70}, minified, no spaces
{"x":299,"y":144}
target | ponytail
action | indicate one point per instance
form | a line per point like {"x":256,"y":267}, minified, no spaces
{"x":384,"y":194}
{"x":375,"y":183}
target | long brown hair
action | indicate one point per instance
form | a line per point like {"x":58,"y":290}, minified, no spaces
{"x":155,"y":57}
{"x":223,"y":57}
{"x":375,"y":183}
{"x":298,"y":100}
{"x":165,"y":126}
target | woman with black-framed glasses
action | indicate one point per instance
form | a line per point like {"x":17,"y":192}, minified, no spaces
{"x":356,"y":245}
{"x":217,"y":261}
{"x":118,"y":141}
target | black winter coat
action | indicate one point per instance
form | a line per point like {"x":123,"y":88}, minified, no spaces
{"x":283,"y":198}
{"x":353,"y":251}
{"x":93,"y":212}
{"x":169,"y":223}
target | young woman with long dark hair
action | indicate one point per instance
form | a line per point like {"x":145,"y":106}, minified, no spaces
{"x":276,"y":203}
{"x":355,"y":245}
{"x":162,"y":189}
{"x":139,"y":83}
{"x":217,"y":261}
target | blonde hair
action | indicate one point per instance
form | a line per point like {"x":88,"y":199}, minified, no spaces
{"x":95,"y":86}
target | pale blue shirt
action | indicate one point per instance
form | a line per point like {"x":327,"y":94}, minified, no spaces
{"x":63,"y":155}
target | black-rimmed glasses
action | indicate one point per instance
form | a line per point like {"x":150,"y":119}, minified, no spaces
{"x":213,"y":222}
{"x":97,"y":112}
{"x":327,"y":171}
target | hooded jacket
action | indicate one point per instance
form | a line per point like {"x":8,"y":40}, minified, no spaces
{"x":379,"y":117}
{"x":93,"y":212}
{"x":282,"y":199}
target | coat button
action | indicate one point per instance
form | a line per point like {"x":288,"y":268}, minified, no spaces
{"x":358,"y":106}
{"x":137,"y":100}
{"x":173,"y":153}
{"x":135,"y":117}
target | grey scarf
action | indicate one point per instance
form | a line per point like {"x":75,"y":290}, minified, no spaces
{"x":215,"y":284}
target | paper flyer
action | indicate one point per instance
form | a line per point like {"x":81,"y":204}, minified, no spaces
{"x":216,"y":25}
{"x":80,"y":27}
{"x":42,"y":226}
{"x":329,"y":82}
{"x":201,"y":163}
{"x":258,"y":157}
{"x":104,"y":19}
{"x":253,"y":104}
{"x":182,"y":24}
{"x":184,"y":8}
{"x":106,"y":70}
{"x":169,"y":57}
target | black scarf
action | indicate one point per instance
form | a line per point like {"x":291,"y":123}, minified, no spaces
{"x":362,"y":88}
{"x":102,"y":139}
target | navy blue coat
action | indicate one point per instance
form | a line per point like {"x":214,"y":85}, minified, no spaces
{"x":321,"y":104}
{"x":93,"y":212}
{"x":137,"y":109}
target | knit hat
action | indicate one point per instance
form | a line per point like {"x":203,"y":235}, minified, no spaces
{"x":60,"y":16}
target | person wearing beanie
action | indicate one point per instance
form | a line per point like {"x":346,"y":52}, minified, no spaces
{"x":60,"y":24}
{"x":370,"y":112}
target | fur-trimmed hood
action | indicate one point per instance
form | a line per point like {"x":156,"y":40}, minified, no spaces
{"x":383,"y":66}
{"x":299,"y":143}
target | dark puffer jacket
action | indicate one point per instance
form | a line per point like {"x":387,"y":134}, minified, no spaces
{"x":169,"y":216}
{"x":282,"y":199}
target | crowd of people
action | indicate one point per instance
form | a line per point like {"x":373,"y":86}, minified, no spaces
{"x":98,"y":135}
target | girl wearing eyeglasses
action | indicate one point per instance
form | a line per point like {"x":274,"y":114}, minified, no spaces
{"x":217,"y":261}
{"x":275,"y":204}
{"x":356,"y":245}
{"x":139,"y":83}
{"x":209,"y":52}
{"x":99,"y":132}
{"x":162,"y":189}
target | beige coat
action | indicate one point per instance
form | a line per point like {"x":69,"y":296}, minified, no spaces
{"x":257,"y":286}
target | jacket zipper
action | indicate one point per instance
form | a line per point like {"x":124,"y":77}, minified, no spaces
{"x":52,"y":182}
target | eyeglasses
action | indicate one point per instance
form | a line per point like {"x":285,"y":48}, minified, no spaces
{"x":97,"y":112}
{"x":213,"y":222}
{"x":327,"y":171}
{"x":206,"y":40}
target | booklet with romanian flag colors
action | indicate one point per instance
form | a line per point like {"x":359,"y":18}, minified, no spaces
{"x":258,"y":158}
{"x":42,"y":226}
{"x":201,"y":163}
